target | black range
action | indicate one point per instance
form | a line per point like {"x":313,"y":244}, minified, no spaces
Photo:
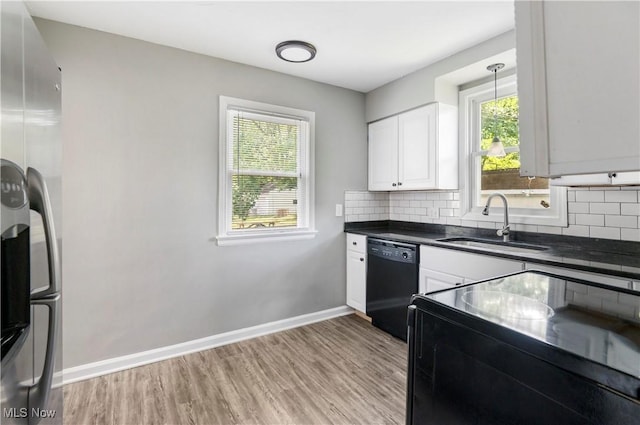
{"x":528,"y":348}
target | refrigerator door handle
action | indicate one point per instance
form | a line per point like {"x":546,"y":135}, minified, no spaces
{"x":39,"y":393}
{"x":40,"y":203}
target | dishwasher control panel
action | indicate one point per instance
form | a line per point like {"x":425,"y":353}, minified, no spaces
{"x":394,"y":251}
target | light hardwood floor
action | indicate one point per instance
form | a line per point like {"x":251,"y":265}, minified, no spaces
{"x":340,"y":371}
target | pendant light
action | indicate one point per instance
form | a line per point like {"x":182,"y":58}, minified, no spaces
{"x":496,"y":148}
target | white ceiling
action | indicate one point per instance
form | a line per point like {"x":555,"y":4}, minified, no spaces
{"x":361,"y":44}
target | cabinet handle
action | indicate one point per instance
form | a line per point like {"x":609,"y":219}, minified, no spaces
{"x":393,"y":184}
{"x":355,"y":243}
{"x":361,"y":259}
{"x":399,"y":183}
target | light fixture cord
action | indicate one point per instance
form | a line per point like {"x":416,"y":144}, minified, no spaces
{"x":495,"y":103}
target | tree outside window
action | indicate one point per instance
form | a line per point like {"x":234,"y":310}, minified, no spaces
{"x":502,"y":174}
{"x":266,"y":180}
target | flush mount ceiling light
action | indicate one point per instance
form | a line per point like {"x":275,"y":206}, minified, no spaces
{"x":496,"y":148}
{"x":295,"y":51}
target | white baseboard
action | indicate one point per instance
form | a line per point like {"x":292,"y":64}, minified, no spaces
{"x":104,"y":367}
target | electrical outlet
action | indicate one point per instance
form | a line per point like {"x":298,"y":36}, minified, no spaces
{"x":433,"y":212}
{"x":338,"y":210}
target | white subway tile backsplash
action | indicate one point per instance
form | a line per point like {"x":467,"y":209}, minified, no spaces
{"x":630,"y":235}
{"x":604,"y":232}
{"x":579,"y":207}
{"x":525,"y":228}
{"x":576,"y":231}
{"x":446,"y":212}
{"x":621,"y":196}
{"x":468,"y":223}
{"x":590,"y":196}
{"x":590,"y":219}
{"x":604,"y":208}
{"x":486,"y":225}
{"x":630,"y":221}
{"x":597,"y":212}
{"x":552,"y":230}
{"x":630,"y":209}
{"x":453,"y":204}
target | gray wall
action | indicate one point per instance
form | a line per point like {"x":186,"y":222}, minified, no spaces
{"x":423,"y":86}
{"x":141,"y":269}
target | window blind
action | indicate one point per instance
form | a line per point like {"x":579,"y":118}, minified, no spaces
{"x":264,"y":167}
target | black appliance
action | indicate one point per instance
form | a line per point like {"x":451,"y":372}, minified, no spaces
{"x":15,"y":265}
{"x":392,"y":278}
{"x":528,"y":348}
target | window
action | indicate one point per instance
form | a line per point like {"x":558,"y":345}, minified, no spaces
{"x":266,"y":172}
{"x":531,"y":199}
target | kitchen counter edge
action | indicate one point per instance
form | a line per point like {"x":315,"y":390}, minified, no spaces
{"x":610,"y":257}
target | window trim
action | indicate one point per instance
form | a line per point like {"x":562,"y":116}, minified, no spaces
{"x":469,"y":100}
{"x":307,"y":230}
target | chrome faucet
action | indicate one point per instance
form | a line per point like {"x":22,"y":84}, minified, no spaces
{"x":504,"y":232}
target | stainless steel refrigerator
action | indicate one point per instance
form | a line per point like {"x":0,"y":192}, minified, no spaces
{"x":30,"y":223}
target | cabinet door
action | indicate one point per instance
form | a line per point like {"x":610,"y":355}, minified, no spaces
{"x":431,"y":280}
{"x":383,"y":154}
{"x":470,"y":266}
{"x":578,"y":80}
{"x":356,"y":280}
{"x":417,"y":148}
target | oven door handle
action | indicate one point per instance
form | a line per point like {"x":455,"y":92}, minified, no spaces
{"x":40,"y":203}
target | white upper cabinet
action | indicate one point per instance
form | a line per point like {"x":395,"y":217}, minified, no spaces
{"x":415,"y":150}
{"x":578,"y":86}
{"x":383,"y":154}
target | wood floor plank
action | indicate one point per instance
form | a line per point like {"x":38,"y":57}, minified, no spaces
{"x":339,"y":371}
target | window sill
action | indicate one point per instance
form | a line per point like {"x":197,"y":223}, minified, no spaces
{"x":272,"y":236}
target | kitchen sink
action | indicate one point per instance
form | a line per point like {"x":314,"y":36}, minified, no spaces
{"x":491,"y":244}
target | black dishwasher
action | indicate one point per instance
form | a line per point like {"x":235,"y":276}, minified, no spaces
{"x":392,"y":278}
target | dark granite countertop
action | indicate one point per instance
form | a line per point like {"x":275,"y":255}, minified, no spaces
{"x":612,"y":257}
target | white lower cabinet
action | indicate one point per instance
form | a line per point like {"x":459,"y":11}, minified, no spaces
{"x":441,"y":267}
{"x":357,"y":272}
{"x":431,"y":280}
